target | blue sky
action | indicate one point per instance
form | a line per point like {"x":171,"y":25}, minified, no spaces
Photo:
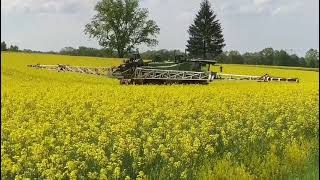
{"x":248,"y":25}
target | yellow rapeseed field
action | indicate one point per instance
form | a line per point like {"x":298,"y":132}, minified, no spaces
{"x":58,"y":125}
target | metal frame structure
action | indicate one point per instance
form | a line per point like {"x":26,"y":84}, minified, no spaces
{"x":265,"y":78}
{"x":158,"y":76}
{"x":155,"y":74}
{"x":101,"y":71}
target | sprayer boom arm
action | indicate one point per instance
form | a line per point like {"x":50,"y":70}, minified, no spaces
{"x":103,"y":71}
{"x":265,"y":78}
{"x":154,"y":75}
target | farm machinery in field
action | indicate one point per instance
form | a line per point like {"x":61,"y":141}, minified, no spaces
{"x":181,"y":71}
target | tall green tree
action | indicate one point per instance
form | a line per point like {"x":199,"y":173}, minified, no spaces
{"x":267,"y":56}
{"x":205,"y":34}
{"x":121,"y":25}
{"x":294,"y":60}
{"x":3,"y":46}
{"x":234,"y":57}
{"x":281,"y":58}
{"x":222,"y":58}
{"x":312,"y":58}
{"x":14,"y":48}
{"x":251,"y":58}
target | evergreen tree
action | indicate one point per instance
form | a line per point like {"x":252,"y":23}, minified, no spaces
{"x":206,"y":38}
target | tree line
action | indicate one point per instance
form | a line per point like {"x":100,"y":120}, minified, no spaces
{"x":269,"y":56}
{"x":153,"y":55}
{"x":13,"y":48}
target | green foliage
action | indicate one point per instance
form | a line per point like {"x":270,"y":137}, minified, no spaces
{"x":281,"y":58}
{"x":252,"y":58}
{"x":234,"y":57}
{"x":122,"y":25}
{"x":3,"y":46}
{"x":206,"y":39}
{"x":14,"y":48}
{"x":161,"y":55}
{"x":312,"y":58}
{"x":157,"y":58}
{"x":85,"y":51}
{"x":268,"y":56}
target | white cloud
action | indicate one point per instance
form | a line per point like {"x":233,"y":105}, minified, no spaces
{"x":261,"y":2}
{"x":260,"y":7}
{"x":46,"y":6}
{"x":286,"y":8}
{"x":255,"y":7}
{"x":277,"y":11}
{"x":250,"y":9}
